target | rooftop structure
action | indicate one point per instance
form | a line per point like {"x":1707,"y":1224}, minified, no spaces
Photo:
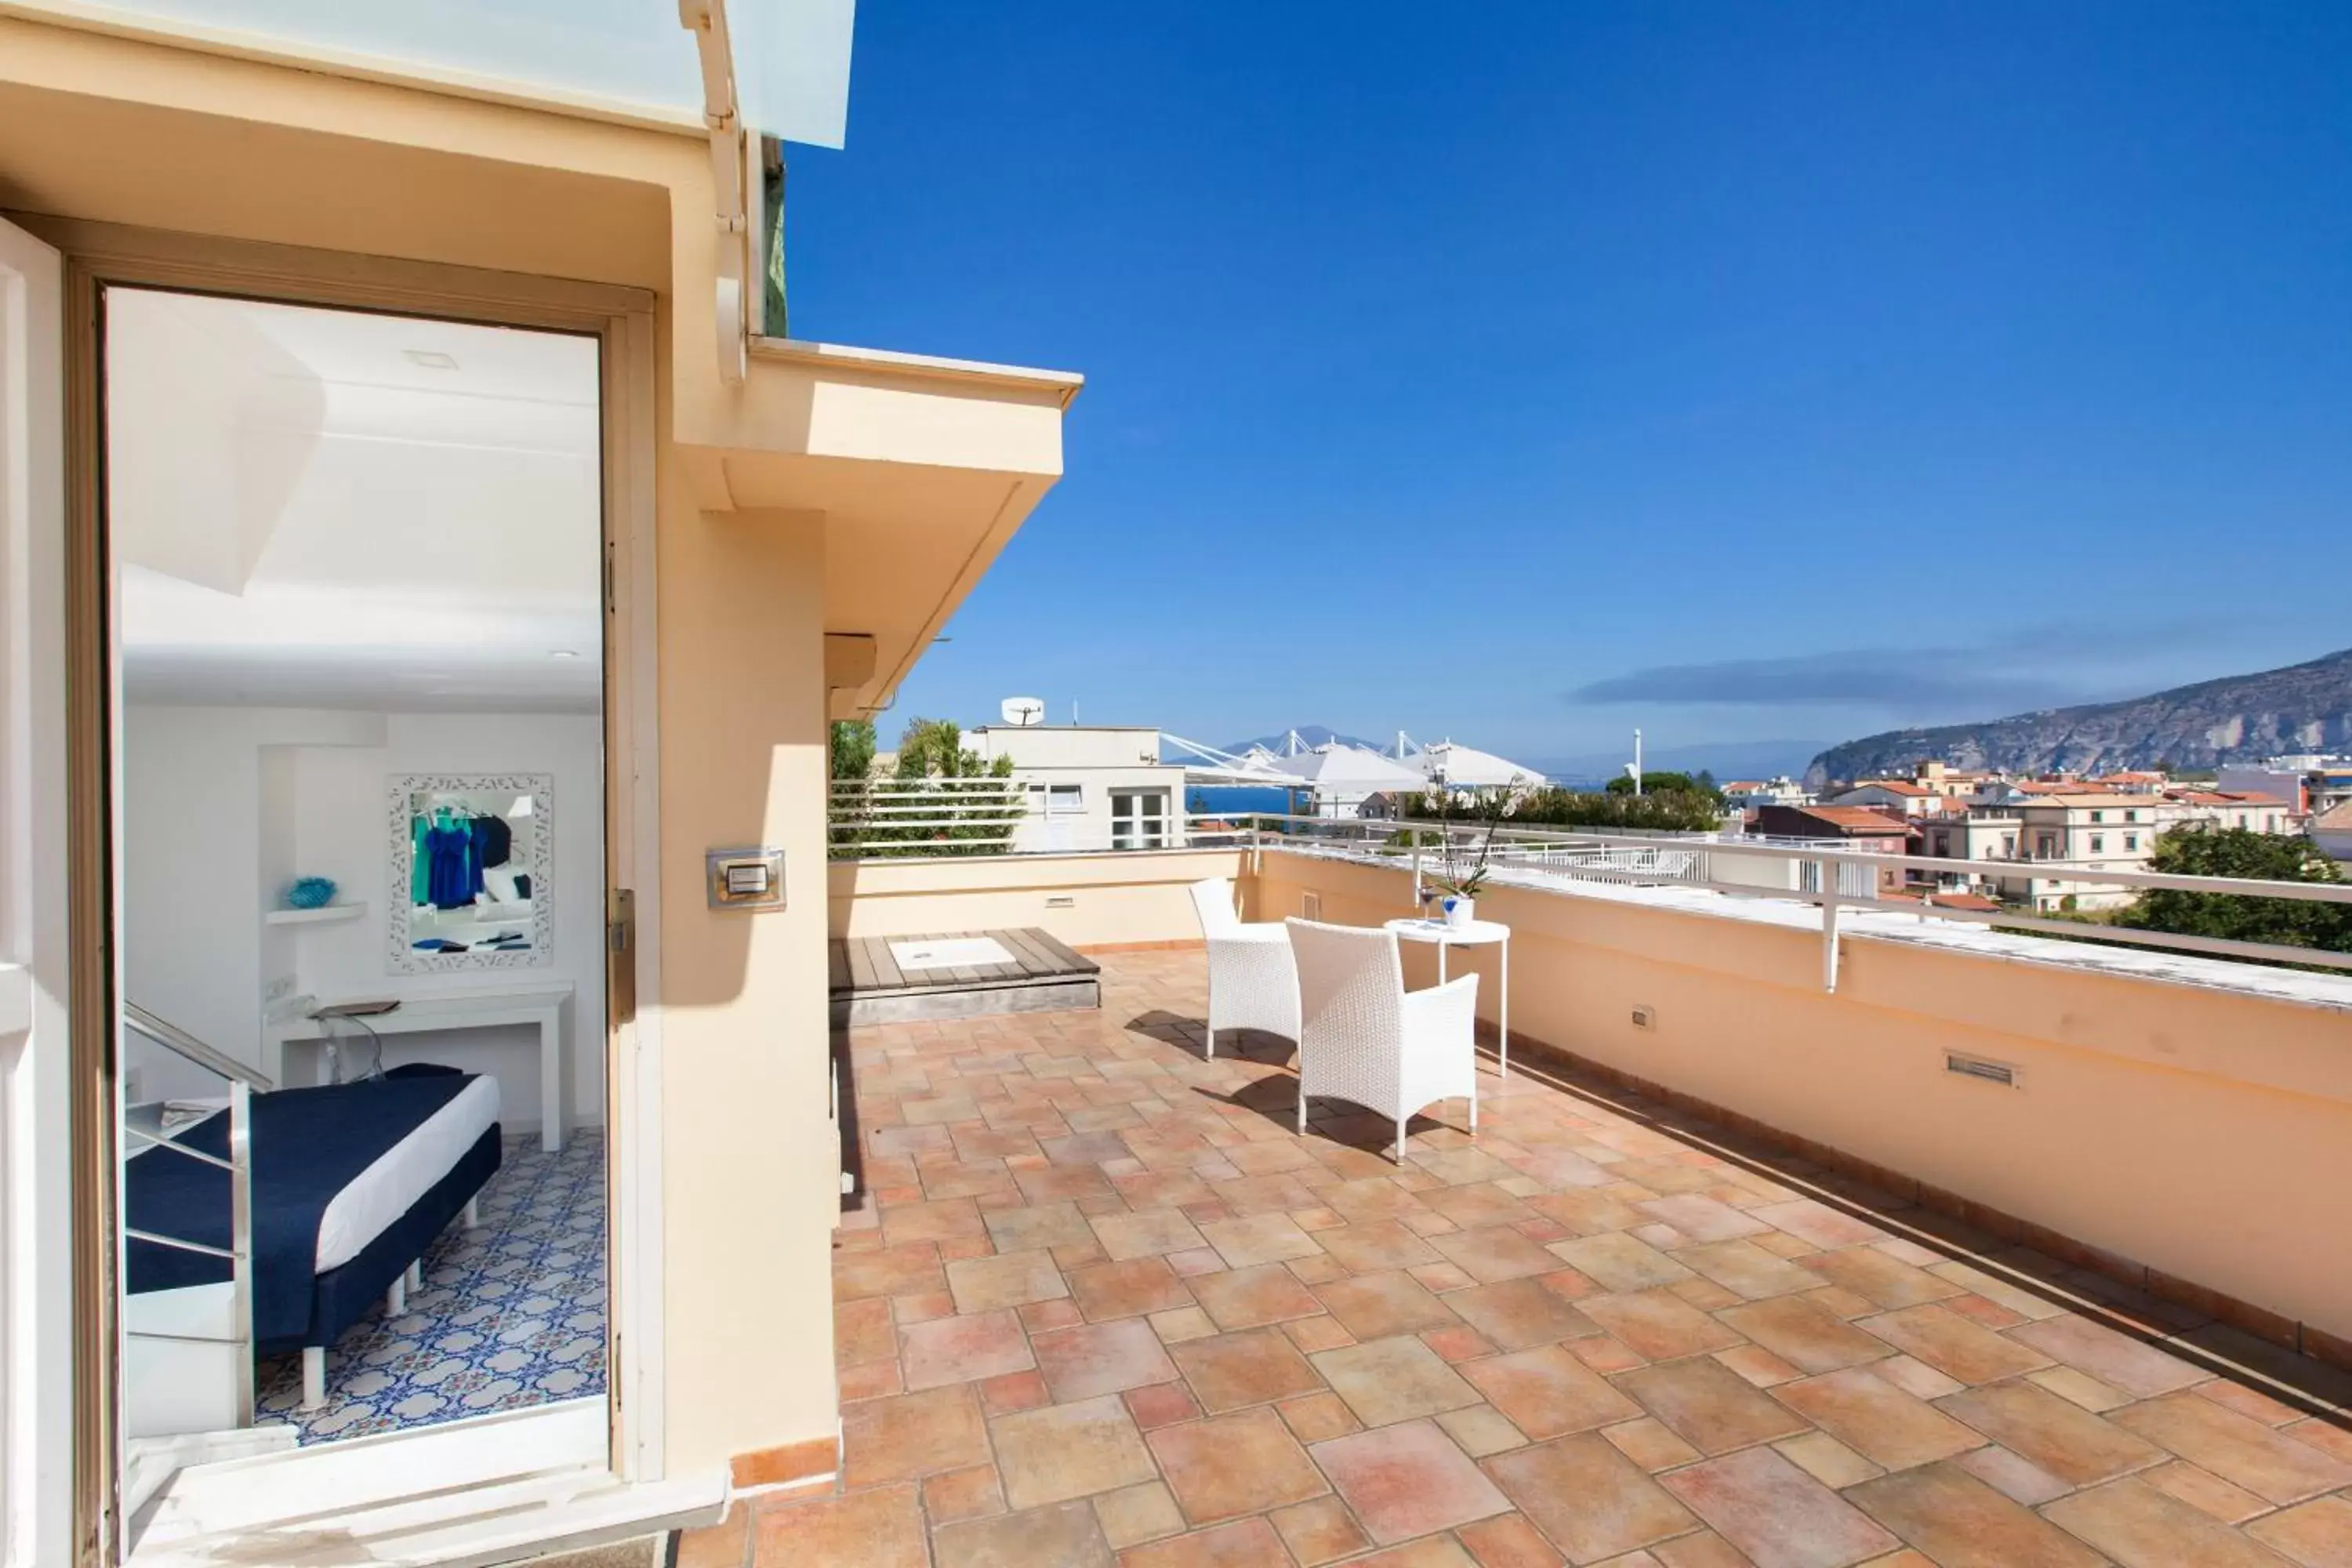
{"x":1744,"y":794}
{"x":1339,"y":779}
{"x":1091,"y":786}
{"x":2332,"y":831}
{"x":1828,"y":822}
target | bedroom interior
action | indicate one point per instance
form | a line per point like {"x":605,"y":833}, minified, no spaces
{"x":360,"y":848}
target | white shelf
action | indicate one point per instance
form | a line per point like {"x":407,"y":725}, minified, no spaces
{"x":321,"y":915}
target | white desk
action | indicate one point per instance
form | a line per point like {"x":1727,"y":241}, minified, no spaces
{"x":1477,"y":933}
{"x":539,"y":1005}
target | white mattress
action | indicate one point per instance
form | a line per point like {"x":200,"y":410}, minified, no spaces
{"x":404,"y":1173}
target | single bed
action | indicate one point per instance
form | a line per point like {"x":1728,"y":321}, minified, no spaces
{"x":351,"y":1184}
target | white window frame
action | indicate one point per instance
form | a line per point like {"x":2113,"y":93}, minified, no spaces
{"x":1148,"y":827}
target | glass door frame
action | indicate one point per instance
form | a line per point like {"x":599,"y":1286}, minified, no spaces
{"x":99,"y":256}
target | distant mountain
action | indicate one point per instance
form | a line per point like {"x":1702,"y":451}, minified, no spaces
{"x":1309,"y":734}
{"x":2240,"y":718}
{"x":1726,"y":760}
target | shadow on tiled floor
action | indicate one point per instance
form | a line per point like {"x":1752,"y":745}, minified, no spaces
{"x":1104,"y":1305}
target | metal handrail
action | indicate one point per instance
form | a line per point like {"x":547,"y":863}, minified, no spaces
{"x":174,"y":1038}
{"x":243,"y":1081}
{"x":1360,"y":837}
{"x":1850,"y":873}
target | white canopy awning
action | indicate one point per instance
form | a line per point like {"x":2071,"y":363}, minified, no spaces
{"x":1466,"y":767}
{"x":1335,"y":768}
{"x":1207,"y":765}
{"x":629,"y":57}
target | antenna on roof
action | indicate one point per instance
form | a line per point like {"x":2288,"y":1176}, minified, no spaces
{"x":1021,"y":712}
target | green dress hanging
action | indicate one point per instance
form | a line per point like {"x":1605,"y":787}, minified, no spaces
{"x":420,"y":872}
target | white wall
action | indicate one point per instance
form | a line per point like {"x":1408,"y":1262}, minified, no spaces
{"x":224,"y":806}
{"x":1040,"y":829}
{"x":341,"y":819}
{"x":193,"y":868}
{"x":190,"y":864}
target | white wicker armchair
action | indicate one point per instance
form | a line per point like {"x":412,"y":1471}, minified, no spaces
{"x":1251,"y":982}
{"x":1367,"y":1039}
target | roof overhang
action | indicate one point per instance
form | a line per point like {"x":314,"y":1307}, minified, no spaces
{"x":919,"y":468}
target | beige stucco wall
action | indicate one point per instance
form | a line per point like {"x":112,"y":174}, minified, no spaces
{"x":1115,"y":897}
{"x":748,"y":1152}
{"x":2204,"y":1133}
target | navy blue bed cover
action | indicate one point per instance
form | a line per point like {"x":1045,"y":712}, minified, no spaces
{"x":308,"y":1145}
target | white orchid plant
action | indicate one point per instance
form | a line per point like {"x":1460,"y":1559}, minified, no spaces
{"x":1464,"y":864}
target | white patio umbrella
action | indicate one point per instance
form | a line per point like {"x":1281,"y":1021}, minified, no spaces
{"x":1466,"y":767}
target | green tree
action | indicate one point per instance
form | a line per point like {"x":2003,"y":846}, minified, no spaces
{"x":2238,"y":852}
{"x":1702,"y":787}
{"x":849,"y":806}
{"x":1662,"y":811}
{"x":959,"y":799}
{"x":853,"y":749}
{"x":934,"y":749}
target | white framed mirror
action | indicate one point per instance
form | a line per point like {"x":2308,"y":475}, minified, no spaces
{"x":471,"y":871}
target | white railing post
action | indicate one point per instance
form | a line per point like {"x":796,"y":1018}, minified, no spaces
{"x":1829,"y":925}
{"x":240,"y":1233}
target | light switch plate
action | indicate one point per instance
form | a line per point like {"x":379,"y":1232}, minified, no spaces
{"x":748,"y":880}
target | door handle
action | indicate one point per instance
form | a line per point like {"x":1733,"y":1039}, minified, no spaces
{"x":621,"y":956}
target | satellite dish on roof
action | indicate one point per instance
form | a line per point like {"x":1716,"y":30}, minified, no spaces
{"x":1021,"y":712}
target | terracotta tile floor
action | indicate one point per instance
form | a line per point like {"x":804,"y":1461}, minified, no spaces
{"x":1103,"y":1306}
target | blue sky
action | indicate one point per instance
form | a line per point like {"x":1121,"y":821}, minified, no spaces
{"x":1528,"y":372}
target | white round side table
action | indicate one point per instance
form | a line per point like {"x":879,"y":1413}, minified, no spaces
{"x":1477,"y":933}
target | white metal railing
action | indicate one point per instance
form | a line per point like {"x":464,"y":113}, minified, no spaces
{"x":901,"y":817}
{"x":1860,"y":878}
{"x":916,"y":818}
{"x":1736,"y":865}
{"x":146,"y":1127}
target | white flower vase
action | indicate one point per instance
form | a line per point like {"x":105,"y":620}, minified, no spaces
{"x":1460,"y":912}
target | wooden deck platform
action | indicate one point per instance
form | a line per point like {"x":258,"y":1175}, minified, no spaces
{"x":869,"y":985}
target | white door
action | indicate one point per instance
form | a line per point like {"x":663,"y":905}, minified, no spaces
{"x":35,"y":1237}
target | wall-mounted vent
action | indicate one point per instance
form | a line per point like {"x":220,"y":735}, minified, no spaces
{"x":1310,"y":906}
{"x":1061,"y":901}
{"x":2002,"y":1073}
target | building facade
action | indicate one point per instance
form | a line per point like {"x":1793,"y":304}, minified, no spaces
{"x":2311,"y":785}
{"x":1849,"y":827}
{"x":1088,"y":786}
{"x":785,"y":524}
{"x":1746,"y":795}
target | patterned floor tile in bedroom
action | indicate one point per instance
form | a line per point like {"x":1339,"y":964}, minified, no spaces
{"x":510,"y":1315}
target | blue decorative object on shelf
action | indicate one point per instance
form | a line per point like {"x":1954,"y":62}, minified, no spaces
{"x":310,"y":893}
